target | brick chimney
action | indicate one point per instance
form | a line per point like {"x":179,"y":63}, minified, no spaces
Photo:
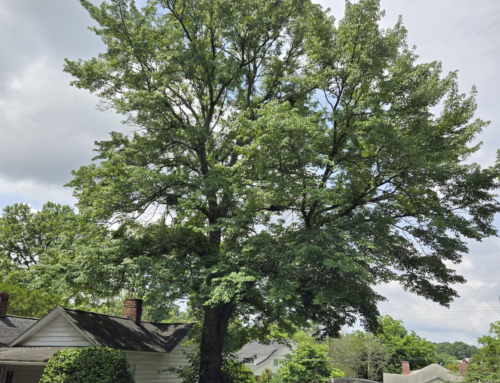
{"x":406,"y":367}
{"x":4,"y":303}
{"x":132,"y":309}
{"x":462,"y":367}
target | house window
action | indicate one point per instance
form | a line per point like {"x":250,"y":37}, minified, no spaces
{"x":132,"y":370}
{"x":276,"y":362}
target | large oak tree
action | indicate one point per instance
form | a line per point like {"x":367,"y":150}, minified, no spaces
{"x":297,"y":162}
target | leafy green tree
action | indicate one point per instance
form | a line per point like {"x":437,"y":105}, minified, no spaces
{"x":301,"y":162}
{"x":481,"y":373}
{"x":403,"y":345}
{"x":445,"y":359}
{"x":27,"y":236}
{"x":459,"y":350}
{"x":346,"y":354}
{"x":359,"y":355}
{"x":489,"y":352}
{"x":266,"y":376}
{"x":484,"y":366}
{"x":24,"y":301}
{"x":308,"y":363}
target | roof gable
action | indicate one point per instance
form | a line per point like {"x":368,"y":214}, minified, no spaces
{"x":46,"y":332}
{"x":58,"y":332}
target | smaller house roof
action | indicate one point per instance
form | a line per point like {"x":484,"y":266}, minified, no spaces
{"x":28,"y":354}
{"x":424,"y":375}
{"x":12,"y":326}
{"x":255,"y":349}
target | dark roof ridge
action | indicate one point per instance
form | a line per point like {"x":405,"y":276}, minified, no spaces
{"x":19,"y":316}
{"x":116,"y":316}
{"x":91,"y":312}
{"x":143,"y":321}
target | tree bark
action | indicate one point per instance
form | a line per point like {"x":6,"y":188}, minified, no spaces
{"x":215,"y":324}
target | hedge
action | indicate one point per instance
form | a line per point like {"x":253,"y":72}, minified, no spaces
{"x":88,"y":365}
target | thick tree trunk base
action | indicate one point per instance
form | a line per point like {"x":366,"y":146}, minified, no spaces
{"x":215,"y":324}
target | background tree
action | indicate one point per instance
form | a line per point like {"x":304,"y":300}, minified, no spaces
{"x":359,"y":355}
{"x":459,"y":350}
{"x":303,"y":160}
{"x":27,"y":236}
{"x":484,"y":366}
{"x":266,"y":376}
{"x":376,"y":355}
{"x":404,"y":345}
{"x":347,"y":354}
{"x":308,"y":363}
{"x":34,"y":303}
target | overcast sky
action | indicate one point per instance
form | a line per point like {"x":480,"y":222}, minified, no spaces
{"x":47,"y":128}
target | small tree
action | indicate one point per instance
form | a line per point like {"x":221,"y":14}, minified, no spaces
{"x":308,"y":363}
{"x":266,"y":376}
{"x":88,"y":365}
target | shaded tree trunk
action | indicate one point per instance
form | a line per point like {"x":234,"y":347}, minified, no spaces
{"x":215,"y":324}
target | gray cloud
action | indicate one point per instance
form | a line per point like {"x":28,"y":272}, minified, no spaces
{"x":47,"y":128}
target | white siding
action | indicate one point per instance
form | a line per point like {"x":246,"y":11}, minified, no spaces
{"x":26,"y":374}
{"x":177,"y":358}
{"x":148,"y":364}
{"x":58,"y":332}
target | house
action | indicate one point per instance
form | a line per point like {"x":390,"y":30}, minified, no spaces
{"x":26,"y":344}
{"x":258,"y":356}
{"x":433,"y":373}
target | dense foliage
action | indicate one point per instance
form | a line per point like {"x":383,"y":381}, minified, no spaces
{"x":359,"y":355}
{"x":459,"y":350}
{"x":308,"y":363}
{"x":367,"y":355}
{"x":484,"y":366}
{"x":28,"y":237}
{"x":88,"y":365}
{"x":293,"y":163}
{"x":28,"y":302}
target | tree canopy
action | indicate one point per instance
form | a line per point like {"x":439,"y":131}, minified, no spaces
{"x":484,"y":366}
{"x":290,"y":162}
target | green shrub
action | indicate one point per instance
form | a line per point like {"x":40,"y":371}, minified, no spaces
{"x":88,"y":365}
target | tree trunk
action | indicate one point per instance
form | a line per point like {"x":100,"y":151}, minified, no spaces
{"x":215,"y":324}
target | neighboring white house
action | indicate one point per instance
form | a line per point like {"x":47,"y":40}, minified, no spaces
{"x":258,"y":356}
{"x":149,"y":347}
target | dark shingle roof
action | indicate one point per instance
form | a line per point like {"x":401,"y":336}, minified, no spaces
{"x":13,"y":326}
{"x":125,"y":334}
{"x":28,"y":354}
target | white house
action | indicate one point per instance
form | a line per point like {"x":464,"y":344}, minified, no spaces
{"x":258,"y":356}
{"x":149,"y":347}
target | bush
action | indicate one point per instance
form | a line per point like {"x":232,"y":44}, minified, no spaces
{"x":88,"y":365}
